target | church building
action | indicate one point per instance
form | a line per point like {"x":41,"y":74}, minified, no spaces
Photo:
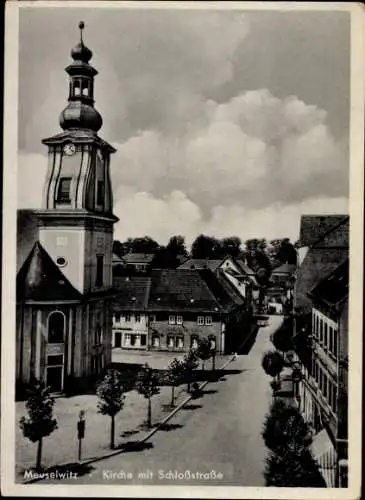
{"x":64,"y":283}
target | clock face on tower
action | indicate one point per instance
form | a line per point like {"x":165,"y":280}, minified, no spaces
{"x":69,"y":149}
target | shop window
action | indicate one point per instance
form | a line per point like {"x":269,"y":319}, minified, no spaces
{"x":143,"y":340}
{"x":56,"y":328}
{"x":156,"y":341}
{"x":127,"y":339}
{"x":170,"y":342}
{"x":194,"y":342}
{"x":179,"y":342}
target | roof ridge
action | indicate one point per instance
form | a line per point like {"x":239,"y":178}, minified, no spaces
{"x":330,"y":230}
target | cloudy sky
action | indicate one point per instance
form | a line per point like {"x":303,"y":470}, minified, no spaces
{"x":225,"y":122}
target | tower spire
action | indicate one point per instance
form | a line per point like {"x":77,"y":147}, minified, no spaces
{"x":81,"y":28}
{"x":80,"y":112}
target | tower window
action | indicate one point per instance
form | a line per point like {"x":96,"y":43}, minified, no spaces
{"x":99,"y":270}
{"x":100,"y":193}
{"x":64,"y":188}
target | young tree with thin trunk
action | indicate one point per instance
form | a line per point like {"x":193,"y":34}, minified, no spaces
{"x":175,"y":375}
{"x":148,"y":385}
{"x":110,"y":392}
{"x":204,"y":351}
{"x":190,"y":364}
{"x":40,"y":422}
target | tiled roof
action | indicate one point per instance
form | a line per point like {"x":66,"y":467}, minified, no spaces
{"x":317,"y":264}
{"x":138,"y":258}
{"x":336,"y":237}
{"x":180,"y":289}
{"x":244,"y":267}
{"x":40,"y":279}
{"x":221,"y":288}
{"x":313,"y":227}
{"x":132,"y":292}
{"x":334,"y":287}
{"x":27,"y":234}
{"x":211,"y":264}
{"x":285,"y":269}
{"x":117,"y":259}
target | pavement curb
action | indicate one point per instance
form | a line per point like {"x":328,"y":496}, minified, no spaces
{"x":144,"y":439}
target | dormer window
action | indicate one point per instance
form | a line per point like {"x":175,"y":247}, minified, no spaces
{"x":64,"y":188}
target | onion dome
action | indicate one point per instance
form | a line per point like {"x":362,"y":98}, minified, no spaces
{"x":80,"y":115}
{"x":80,"y":52}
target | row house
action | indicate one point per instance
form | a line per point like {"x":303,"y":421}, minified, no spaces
{"x":173,"y":308}
{"x":324,"y":389}
{"x":320,"y":328}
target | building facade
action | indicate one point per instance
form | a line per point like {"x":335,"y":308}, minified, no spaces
{"x":64,"y":286}
{"x":321,"y":321}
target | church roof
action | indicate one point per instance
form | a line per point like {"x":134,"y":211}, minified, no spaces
{"x":81,"y":135}
{"x":40,"y":279}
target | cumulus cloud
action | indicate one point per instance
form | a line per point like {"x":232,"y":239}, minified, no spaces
{"x":197,"y":151}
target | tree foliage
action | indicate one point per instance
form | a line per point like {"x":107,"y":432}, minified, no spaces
{"x":40,"y":422}
{"x":148,"y":385}
{"x":288,"y":438}
{"x":293,"y":470}
{"x":175,"y":376}
{"x":204,"y":350}
{"x":110,"y":392}
{"x":190,"y":363}
{"x":272,"y":363}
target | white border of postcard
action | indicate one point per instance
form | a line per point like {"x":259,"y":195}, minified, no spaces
{"x":8,"y":485}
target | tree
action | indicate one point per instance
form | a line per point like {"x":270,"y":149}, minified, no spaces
{"x":204,"y":350}
{"x":40,"y":422}
{"x":231,"y":246}
{"x":273,"y":363}
{"x":148,"y":384}
{"x":191,"y":363}
{"x":293,"y":470}
{"x":254,"y":244}
{"x":285,"y":429}
{"x":206,"y":247}
{"x":110,"y":392}
{"x":175,"y":374}
{"x":176,"y":246}
{"x":287,"y":252}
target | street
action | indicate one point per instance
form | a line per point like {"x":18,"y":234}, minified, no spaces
{"x":216,"y":440}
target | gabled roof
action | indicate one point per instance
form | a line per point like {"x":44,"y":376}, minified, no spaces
{"x":138,"y":258}
{"x":314,"y":227}
{"x":211,"y":264}
{"x":286,"y":268}
{"x":132,"y":292}
{"x":181,"y":289}
{"x":27,"y":234}
{"x":221,"y":288}
{"x":244,"y":267}
{"x":334,"y":288}
{"x":317,"y":264}
{"x":40,"y":279}
{"x":117,"y":259}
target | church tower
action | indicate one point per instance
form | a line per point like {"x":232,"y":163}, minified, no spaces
{"x":76,"y":220}
{"x":64,"y":287}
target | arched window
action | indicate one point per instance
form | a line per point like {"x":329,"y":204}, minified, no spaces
{"x":56,"y":328}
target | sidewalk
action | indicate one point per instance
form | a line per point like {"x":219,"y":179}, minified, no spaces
{"x":61,"y":446}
